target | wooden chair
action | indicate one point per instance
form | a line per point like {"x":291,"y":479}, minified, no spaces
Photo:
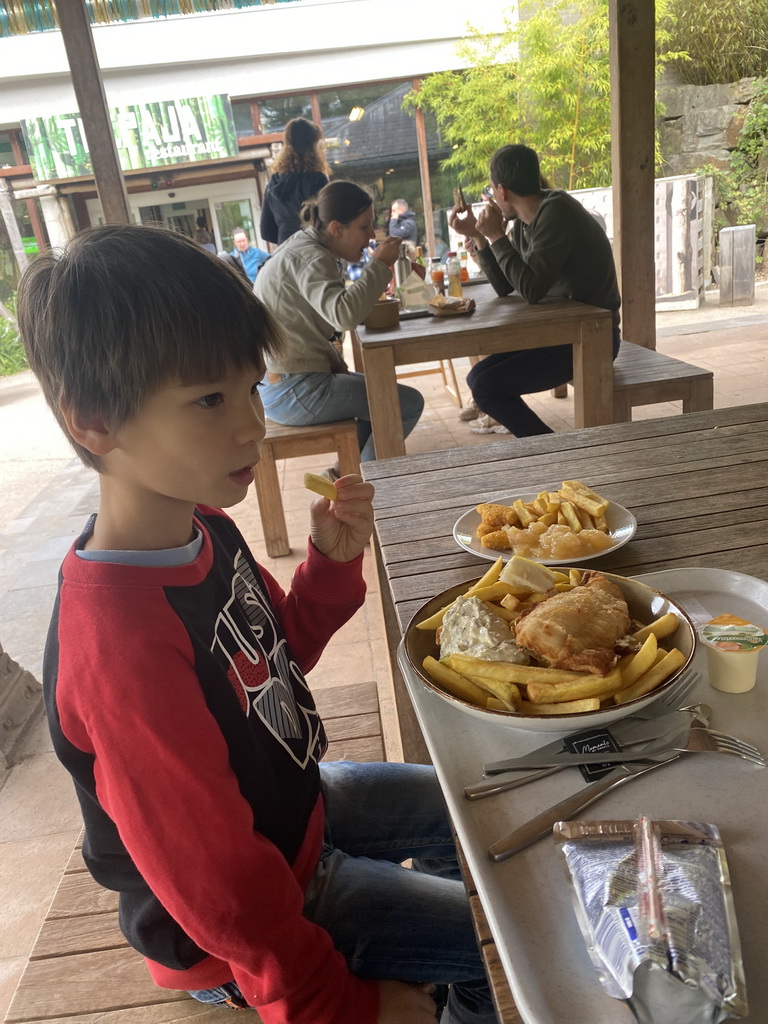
{"x":642,"y":376}
{"x":291,"y":443}
{"x":444,"y":367}
{"x":81,"y":969}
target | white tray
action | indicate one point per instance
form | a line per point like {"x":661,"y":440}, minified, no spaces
{"x":526,"y":899}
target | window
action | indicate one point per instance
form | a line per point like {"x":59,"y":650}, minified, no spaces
{"x":277,"y":111}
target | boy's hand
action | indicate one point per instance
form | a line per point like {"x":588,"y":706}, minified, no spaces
{"x":341,"y":529}
{"x":404,"y":1004}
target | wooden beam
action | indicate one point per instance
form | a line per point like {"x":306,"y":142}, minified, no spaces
{"x":632,"y":57}
{"x":426,"y":186}
{"x":92,"y":104}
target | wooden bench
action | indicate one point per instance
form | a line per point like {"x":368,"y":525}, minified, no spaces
{"x":81,"y":969}
{"x":642,"y":376}
{"x":291,"y":443}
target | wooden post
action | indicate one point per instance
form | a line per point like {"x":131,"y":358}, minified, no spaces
{"x":426,"y":187}
{"x":632,"y":57}
{"x":9,"y":217}
{"x":92,"y":104}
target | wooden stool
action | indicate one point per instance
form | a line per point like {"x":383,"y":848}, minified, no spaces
{"x":291,"y":443}
{"x":642,"y":376}
{"x":452,"y":386}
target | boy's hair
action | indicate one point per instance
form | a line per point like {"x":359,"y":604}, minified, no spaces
{"x":120,"y":311}
{"x":516,"y":168}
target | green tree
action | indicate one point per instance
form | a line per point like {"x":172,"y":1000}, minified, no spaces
{"x":725,"y":41}
{"x":543,"y":80}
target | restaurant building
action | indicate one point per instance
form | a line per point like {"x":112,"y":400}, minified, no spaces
{"x":199,"y":101}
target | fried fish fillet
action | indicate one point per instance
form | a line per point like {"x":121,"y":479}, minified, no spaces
{"x":577,"y":629}
{"x":497,"y":515}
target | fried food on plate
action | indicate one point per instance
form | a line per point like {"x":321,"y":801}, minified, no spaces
{"x":577,"y":629}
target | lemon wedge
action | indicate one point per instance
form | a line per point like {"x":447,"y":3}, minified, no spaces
{"x":522,"y":572}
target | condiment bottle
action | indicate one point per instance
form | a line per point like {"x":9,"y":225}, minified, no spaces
{"x":402,"y":266}
{"x":453,"y":273}
{"x":437,"y":275}
{"x":463,"y":260}
{"x":419,"y":256}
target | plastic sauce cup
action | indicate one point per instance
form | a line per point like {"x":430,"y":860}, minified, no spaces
{"x":733,"y":647}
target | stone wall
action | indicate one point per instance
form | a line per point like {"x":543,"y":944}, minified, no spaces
{"x":701,"y":123}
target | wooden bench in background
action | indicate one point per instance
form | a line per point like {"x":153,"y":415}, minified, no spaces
{"x":81,"y":969}
{"x":642,"y":376}
{"x":282,"y":442}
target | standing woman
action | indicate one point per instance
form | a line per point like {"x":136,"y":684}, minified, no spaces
{"x":298,"y":173}
{"x":303,"y":285}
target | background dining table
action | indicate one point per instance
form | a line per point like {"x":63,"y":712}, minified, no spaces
{"x":698,"y":486}
{"x":498,"y":324}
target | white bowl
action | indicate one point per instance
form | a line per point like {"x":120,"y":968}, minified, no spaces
{"x":645,"y":604}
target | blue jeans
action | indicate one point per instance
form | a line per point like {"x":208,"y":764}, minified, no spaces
{"x":413,"y":925}
{"x":300,"y":399}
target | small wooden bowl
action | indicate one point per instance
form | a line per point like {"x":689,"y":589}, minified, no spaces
{"x":385,"y":314}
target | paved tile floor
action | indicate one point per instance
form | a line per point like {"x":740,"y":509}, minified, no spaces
{"x":45,"y":507}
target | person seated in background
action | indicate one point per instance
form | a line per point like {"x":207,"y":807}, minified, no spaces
{"x":303,"y":286}
{"x":299,"y":171}
{"x":248,"y":256}
{"x":557,"y":248}
{"x":402,"y":222}
{"x":203,"y":236}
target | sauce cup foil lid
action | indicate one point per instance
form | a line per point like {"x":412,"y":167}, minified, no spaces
{"x":731,"y":634}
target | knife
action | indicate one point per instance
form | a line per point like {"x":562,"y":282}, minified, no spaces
{"x":626,"y":732}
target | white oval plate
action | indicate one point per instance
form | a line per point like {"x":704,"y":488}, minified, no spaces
{"x":621,"y":528}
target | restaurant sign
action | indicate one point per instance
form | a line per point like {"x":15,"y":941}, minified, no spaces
{"x":147,"y":135}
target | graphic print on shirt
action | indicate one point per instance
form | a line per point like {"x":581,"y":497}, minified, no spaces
{"x":260,"y":669}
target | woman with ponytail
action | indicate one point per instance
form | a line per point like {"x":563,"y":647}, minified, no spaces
{"x":303,"y":286}
{"x":298,"y":173}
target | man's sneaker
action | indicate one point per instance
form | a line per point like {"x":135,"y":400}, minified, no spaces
{"x":485,"y":424}
{"x":470,"y":411}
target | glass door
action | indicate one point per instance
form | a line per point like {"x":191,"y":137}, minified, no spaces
{"x":232,"y":214}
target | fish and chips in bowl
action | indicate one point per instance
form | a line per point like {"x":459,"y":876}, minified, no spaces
{"x":549,"y":650}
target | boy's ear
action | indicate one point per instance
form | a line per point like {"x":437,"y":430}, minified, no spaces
{"x":91,"y":432}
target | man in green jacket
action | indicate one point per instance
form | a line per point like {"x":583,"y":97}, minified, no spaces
{"x":556,"y":248}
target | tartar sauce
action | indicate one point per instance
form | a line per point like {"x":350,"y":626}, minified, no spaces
{"x":469,"y":627}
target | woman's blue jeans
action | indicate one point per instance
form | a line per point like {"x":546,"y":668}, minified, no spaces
{"x":412,"y":925}
{"x":301,"y":399}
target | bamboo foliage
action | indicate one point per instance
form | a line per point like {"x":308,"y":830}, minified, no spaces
{"x":19,"y":17}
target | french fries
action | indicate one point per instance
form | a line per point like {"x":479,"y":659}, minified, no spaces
{"x":320,"y":485}
{"x":536,"y":689}
{"x":550,"y":526}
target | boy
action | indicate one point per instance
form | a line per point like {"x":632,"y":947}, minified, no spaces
{"x":248,"y":874}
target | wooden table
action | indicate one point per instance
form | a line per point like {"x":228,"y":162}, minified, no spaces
{"x":698,"y":485}
{"x":499,"y":324}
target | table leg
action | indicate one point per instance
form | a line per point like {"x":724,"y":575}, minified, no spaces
{"x":593,"y":374}
{"x":383,"y":402}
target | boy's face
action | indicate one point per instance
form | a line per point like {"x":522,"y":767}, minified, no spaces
{"x":193,"y":444}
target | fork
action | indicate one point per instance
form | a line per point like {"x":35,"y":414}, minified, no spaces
{"x":701,"y":740}
{"x":671,"y":700}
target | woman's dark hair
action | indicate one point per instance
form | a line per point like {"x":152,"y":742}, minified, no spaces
{"x":339,"y":200}
{"x":302,"y":149}
{"x":516,"y":168}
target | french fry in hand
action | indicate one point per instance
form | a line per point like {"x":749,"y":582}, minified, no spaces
{"x":575,"y":689}
{"x":665,"y":626}
{"x":568,"y":707}
{"x":640,"y":662}
{"x":320,"y":485}
{"x":671,"y":662}
{"x":453,"y":683}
